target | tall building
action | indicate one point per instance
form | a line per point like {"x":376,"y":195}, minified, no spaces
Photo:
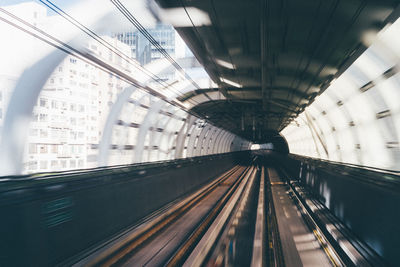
{"x":141,"y":48}
{"x":16,"y":49}
{"x":71,"y":110}
{"x":145,"y":52}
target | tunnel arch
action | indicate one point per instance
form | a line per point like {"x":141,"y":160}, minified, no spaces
{"x":360,"y":118}
{"x":108,"y":151}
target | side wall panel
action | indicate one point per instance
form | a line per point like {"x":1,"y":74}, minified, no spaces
{"x":51,"y":220}
{"x":369,"y":209}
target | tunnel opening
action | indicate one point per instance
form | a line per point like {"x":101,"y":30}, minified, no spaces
{"x":273,"y":142}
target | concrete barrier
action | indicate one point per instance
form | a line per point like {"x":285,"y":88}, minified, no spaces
{"x":47,"y":220}
{"x":364,"y":200}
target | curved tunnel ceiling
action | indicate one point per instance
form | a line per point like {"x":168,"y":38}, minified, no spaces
{"x":270,"y":59}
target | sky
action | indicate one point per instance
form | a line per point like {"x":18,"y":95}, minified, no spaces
{"x":61,"y":3}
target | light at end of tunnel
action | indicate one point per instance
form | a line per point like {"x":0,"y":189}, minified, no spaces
{"x":230,"y":82}
{"x":268,"y":146}
{"x":255,"y":147}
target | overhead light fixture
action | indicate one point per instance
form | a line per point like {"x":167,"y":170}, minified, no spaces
{"x":230,"y":82}
{"x":225,"y":64}
{"x":314,"y":89}
{"x":369,"y":37}
{"x":179,"y":17}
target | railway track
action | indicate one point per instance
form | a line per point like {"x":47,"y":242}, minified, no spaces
{"x":170,"y":237}
{"x":249,"y":216}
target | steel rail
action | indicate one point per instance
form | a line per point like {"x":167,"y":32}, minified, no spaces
{"x":204,"y":239}
{"x":149,"y":231}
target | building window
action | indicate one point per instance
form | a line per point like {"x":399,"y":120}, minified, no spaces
{"x":43,"y":133}
{"x":54,"y":164}
{"x":43,"y":102}
{"x":32,"y":165}
{"x":63,"y":164}
{"x":72,"y":135}
{"x":72,"y":60}
{"x":72,"y":163}
{"x":43,"y":149}
{"x":32,"y":149}
{"x":43,"y":164}
{"x":80,"y":163}
{"x":33,"y":132}
{"x":54,"y":104}
{"x":54,"y":148}
{"x":43,"y":117}
{"x":35,"y":117}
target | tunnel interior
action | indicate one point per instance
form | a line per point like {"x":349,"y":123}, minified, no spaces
{"x":273,"y":142}
{"x":117,"y":123}
{"x":249,"y":86}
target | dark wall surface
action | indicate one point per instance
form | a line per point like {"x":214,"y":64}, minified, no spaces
{"x":366,"y":201}
{"x":47,"y":220}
